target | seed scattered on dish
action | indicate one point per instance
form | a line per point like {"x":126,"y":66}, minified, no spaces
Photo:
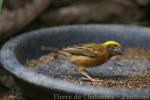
{"x":139,"y":80}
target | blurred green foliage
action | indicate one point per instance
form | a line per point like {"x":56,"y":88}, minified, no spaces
{"x":1,"y":2}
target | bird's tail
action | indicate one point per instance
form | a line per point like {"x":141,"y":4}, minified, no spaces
{"x":50,"y":49}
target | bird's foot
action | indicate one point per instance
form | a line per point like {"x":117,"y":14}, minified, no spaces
{"x":93,"y":80}
{"x":83,"y":72}
{"x":90,"y":79}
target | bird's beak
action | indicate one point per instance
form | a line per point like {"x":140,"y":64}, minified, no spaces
{"x":119,"y":50}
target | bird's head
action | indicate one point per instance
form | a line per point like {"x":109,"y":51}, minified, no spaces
{"x":114,"y":48}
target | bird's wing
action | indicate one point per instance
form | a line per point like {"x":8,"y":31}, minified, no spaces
{"x":83,"y":49}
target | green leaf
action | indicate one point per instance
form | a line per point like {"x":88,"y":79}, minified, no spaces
{"x":1,"y":2}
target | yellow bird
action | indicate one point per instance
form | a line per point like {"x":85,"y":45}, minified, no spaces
{"x":88,"y":55}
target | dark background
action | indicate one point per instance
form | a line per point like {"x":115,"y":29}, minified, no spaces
{"x":20,"y":16}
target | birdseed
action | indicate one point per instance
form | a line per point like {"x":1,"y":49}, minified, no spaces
{"x":139,"y":80}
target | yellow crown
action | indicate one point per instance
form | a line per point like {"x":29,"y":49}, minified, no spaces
{"x":111,"y":43}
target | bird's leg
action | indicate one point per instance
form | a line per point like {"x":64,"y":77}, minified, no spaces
{"x":83,"y":72}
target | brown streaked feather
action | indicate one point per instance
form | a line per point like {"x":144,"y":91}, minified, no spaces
{"x":83,"y":49}
{"x":87,"y":55}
